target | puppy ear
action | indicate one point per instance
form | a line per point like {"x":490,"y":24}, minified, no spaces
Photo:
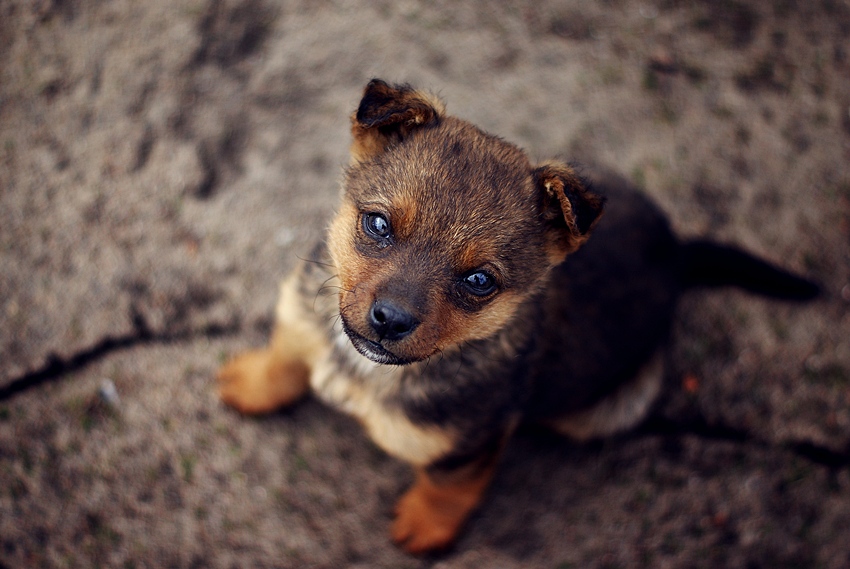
{"x":570,"y":209}
{"x":387,"y":114}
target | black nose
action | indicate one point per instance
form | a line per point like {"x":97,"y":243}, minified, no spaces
{"x":390,"y":321}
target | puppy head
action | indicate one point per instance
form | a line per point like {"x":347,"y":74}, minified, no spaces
{"x":444,"y":230}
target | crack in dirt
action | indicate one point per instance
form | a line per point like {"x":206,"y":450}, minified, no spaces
{"x":698,"y":426}
{"x":57,"y":367}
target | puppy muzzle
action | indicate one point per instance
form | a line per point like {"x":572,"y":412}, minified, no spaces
{"x":372,"y":350}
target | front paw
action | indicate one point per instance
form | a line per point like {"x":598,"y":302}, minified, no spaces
{"x":257,"y":382}
{"x":422,"y":526}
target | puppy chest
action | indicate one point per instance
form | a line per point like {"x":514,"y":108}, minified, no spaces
{"x":366,"y":400}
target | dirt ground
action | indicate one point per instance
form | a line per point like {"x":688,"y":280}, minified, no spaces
{"x":162,"y":163}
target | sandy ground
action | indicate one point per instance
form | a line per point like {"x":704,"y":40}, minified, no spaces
{"x":162,"y":163}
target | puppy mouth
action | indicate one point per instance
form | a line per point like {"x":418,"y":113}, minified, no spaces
{"x":373,"y":350}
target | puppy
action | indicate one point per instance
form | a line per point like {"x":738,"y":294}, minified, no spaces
{"x":451,"y":301}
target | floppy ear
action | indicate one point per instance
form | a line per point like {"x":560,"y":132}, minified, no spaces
{"x":570,"y":209}
{"x":387,"y":114}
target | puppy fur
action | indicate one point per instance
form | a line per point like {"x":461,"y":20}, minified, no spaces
{"x":440,"y":311}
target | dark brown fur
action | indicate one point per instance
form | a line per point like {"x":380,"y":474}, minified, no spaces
{"x":437,"y":364}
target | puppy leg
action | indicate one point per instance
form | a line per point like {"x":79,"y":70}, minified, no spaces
{"x":260,"y":381}
{"x":621,"y":410}
{"x":430,"y":514}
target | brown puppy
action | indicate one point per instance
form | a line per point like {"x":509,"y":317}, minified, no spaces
{"x":458,"y":315}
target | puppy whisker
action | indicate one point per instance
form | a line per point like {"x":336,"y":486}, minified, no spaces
{"x":315,"y":262}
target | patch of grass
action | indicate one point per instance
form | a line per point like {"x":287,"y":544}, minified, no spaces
{"x":670,"y":544}
{"x":297,"y":465}
{"x":281,"y":498}
{"x":189,"y":371}
{"x":89,"y":412}
{"x":642,"y":496}
{"x":668,"y":114}
{"x":17,"y":489}
{"x":187,"y":466}
{"x":151,"y":475}
{"x":229,"y":525}
{"x":722,"y":112}
{"x":810,"y":261}
{"x":611,"y":75}
{"x":300,"y":463}
{"x":650,"y":80}
{"x":768,"y":74}
{"x":204,"y":443}
{"x":639,"y":177}
{"x":832,"y":374}
{"x":818,"y":86}
{"x":797,"y":472}
{"x":75,"y":327}
{"x":702,"y":23}
{"x":780,"y":328}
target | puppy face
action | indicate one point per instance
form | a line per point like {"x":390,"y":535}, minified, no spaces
{"x":443,"y":230}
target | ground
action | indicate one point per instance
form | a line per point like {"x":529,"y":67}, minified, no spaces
{"x":163,"y":163}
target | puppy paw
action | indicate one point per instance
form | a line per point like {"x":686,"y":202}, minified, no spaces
{"x":421,"y":527}
{"x":257,"y":382}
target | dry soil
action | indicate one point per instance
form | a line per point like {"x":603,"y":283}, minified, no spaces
{"x":163,"y":163}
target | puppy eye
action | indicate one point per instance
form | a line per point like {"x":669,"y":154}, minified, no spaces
{"x":376,"y":225}
{"x":480,"y":283}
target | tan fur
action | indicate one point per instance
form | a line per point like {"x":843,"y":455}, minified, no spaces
{"x":261,"y":381}
{"x":446,"y":328}
{"x":430,"y":513}
{"x":388,"y":428}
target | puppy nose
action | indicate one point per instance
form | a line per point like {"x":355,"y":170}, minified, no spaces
{"x":390,"y":321}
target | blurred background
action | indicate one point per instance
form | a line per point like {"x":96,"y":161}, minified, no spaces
{"x":164,"y":163}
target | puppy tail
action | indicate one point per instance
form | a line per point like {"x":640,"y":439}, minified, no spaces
{"x":707,"y":264}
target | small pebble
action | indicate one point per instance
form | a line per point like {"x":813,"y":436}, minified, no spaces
{"x":108,"y":393}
